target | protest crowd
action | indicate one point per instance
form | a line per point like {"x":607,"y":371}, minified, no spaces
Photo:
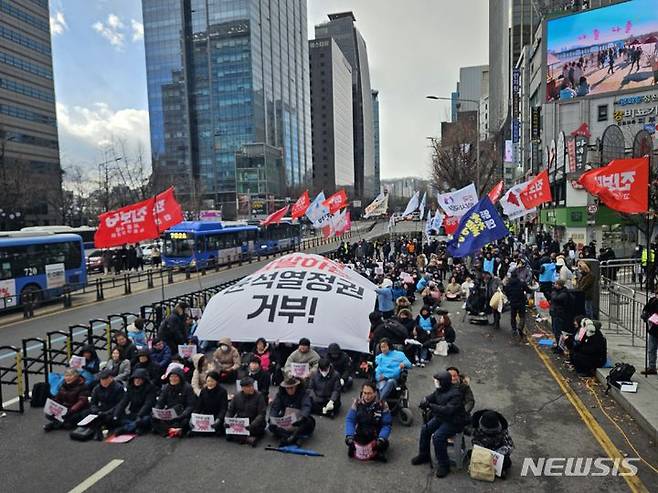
{"x":179,"y":386}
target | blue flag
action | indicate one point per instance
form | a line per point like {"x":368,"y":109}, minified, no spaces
{"x":480,"y":225}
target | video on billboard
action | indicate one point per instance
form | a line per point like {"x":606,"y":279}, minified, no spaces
{"x":602,"y":50}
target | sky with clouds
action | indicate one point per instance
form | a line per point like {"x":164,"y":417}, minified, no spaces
{"x":415,"y":49}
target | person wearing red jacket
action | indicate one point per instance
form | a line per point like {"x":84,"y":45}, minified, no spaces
{"x":74,"y":395}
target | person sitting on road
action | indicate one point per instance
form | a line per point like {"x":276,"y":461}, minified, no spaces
{"x":425,"y":330}
{"x":160,"y":354}
{"x":589,"y":349}
{"x":261,"y":378}
{"x":342,"y":364}
{"x":133,"y":414}
{"x":292,"y":395}
{"x":445,"y":331}
{"x":92,"y":364}
{"x":264,"y":353}
{"x":324,"y":387}
{"x":136,"y":333}
{"x":391,"y":329}
{"x":201,"y":370}
{"x":144,"y":362}
{"x":74,"y":395}
{"x":303,"y":355}
{"x":126,"y":346}
{"x":368,"y":420}
{"x":213,"y":400}
{"x":105,"y":398}
{"x":389,"y":364}
{"x":226,"y":360}
{"x":248,"y":403}
{"x":118,"y":366}
{"x":462,"y":382}
{"x":490,"y":430}
{"x":402,"y":303}
{"x":446,"y":406}
{"x":179,"y":396}
{"x":453,"y":290}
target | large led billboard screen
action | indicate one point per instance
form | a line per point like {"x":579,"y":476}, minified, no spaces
{"x":608,"y":49}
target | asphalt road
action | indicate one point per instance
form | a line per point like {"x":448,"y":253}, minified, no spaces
{"x":506,"y":376}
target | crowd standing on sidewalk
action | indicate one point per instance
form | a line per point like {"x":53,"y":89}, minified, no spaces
{"x":151,"y":387}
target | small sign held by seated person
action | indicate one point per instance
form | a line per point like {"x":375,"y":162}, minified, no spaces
{"x":77,"y":362}
{"x":186,"y":350}
{"x":55,"y":410}
{"x":237,"y":426}
{"x":290,"y":416}
{"x":202,"y":423}
{"x":164,"y":414}
{"x":300,"y":370}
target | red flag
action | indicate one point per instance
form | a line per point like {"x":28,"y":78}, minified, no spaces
{"x":622,"y":185}
{"x":496,"y":191}
{"x":450,"y":224}
{"x":129,"y":224}
{"x":537,"y":192}
{"x":167,"y":211}
{"x":583,"y":131}
{"x":348,"y":222}
{"x":275,"y":217}
{"x":337,"y":201}
{"x":299,"y":207}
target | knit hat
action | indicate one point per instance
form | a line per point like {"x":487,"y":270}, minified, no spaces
{"x":489,"y":421}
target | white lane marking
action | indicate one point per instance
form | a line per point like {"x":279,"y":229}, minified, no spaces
{"x":97,"y":476}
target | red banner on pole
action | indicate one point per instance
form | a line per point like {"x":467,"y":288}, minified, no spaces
{"x":450,"y":224}
{"x":129,"y":224}
{"x":496,"y":192}
{"x":337,"y":201}
{"x":167,"y":211}
{"x":622,"y":185}
{"x":275,"y":217}
{"x":537,"y":192}
{"x":299,"y":208}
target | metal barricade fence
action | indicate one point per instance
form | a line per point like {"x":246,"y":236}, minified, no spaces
{"x":11,"y":375}
{"x":100,"y":336}
{"x":35,"y":361}
{"x":79,"y":336}
{"x":622,"y":306}
{"x":59,"y":349}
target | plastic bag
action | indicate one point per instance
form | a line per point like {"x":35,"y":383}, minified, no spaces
{"x":441,"y":348}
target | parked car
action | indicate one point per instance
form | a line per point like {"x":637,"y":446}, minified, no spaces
{"x":94,"y":261}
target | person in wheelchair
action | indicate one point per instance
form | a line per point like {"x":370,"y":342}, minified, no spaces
{"x":368,"y":425}
{"x":446,"y":405}
{"x":389,"y":364}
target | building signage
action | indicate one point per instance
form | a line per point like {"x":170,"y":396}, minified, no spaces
{"x":637,"y":110}
{"x":581,"y":152}
{"x":536,"y":123}
{"x":516,"y":90}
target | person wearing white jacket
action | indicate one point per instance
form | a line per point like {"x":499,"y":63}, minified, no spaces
{"x":563,"y":272}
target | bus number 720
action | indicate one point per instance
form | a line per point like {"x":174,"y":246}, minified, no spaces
{"x":30,"y":271}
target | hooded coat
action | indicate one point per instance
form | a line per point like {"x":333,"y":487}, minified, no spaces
{"x":92,"y":365}
{"x":447,"y":402}
{"x":200,"y":373}
{"x":323,"y":388}
{"x":496,"y":439}
{"x":104,"y":400}
{"x":138,"y":400}
{"x":226,"y":361}
{"x":179,"y":397}
{"x":152,"y":368}
{"x":339,"y":359}
{"x":300,"y":400}
{"x":74,"y":396}
{"x":590,"y":352}
{"x":213,"y":402}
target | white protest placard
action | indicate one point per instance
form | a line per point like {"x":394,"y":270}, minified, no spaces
{"x":87,"y":419}
{"x":300,"y":370}
{"x":238,"y":387}
{"x":55,"y":410}
{"x":237,"y":426}
{"x":55,"y":276}
{"x":187,"y":350}
{"x":202,"y":423}
{"x":164,"y":414}
{"x":7,"y":292}
{"x":77,"y":362}
{"x":364,"y":452}
{"x":289,"y":417}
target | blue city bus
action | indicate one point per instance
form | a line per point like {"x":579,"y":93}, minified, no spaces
{"x":279,"y":237}
{"x":39,"y":267}
{"x":203,"y":244}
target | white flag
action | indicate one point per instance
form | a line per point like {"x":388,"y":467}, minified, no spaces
{"x":422,"y":206}
{"x":428,"y":226}
{"x":412,"y":205}
{"x":437,"y":221}
{"x":378,"y":207}
{"x":318,"y":213}
{"x":459,"y":202}
{"x":513,"y":208}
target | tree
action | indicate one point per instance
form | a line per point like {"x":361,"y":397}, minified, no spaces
{"x":455,"y":163}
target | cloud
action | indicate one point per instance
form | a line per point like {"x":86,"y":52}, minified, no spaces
{"x":112,"y":30}
{"x":58,"y":23}
{"x":138,"y":30}
{"x":96,"y":126}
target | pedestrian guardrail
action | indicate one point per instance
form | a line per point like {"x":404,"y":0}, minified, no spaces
{"x":622,"y":306}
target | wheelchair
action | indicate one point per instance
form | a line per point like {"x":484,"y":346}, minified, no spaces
{"x":398,"y":401}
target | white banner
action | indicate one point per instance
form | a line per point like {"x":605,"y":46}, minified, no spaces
{"x":318,"y":213}
{"x":513,"y":208}
{"x":7,"y":293}
{"x":458,"y":203}
{"x":298,"y":295}
{"x":55,"y":276}
{"x":422,"y":206}
{"x":378,"y":207}
{"x":412,"y":205}
{"x":437,"y":220}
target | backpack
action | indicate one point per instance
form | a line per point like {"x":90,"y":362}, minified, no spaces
{"x":621,"y":372}
{"x":82,"y":434}
{"x":40,"y":392}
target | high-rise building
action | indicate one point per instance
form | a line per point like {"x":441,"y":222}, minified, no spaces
{"x":331,"y":114}
{"x":30,"y":174}
{"x":222,"y":75}
{"x":470,"y":87}
{"x":375,"y":115}
{"x":341,"y":27}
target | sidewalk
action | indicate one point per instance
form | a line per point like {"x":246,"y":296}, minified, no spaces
{"x":643,"y":405}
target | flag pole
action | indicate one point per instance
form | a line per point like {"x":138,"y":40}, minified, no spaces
{"x":649,"y":263}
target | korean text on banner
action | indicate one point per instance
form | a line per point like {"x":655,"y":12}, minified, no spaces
{"x":164,"y":414}
{"x":187,"y":350}
{"x":202,"y":423}
{"x":378,"y":207}
{"x":167,"y":211}
{"x":457,"y":203}
{"x":237,"y":426}
{"x":55,"y":410}
{"x":318,"y":213}
{"x":537,"y":192}
{"x":129,"y":224}
{"x":336,"y":201}
{"x":300,"y":207}
{"x":298,"y":295}
{"x":479,"y":226}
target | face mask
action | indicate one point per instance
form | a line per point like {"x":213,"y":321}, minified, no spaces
{"x":324,"y":373}
{"x":437,"y":384}
{"x":224,"y":348}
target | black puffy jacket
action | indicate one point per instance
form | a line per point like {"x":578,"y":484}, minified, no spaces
{"x":560,"y":304}
{"x":447,"y":402}
{"x":179,"y":397}
{"x":106,"y":399}
{"x":138,"y":400}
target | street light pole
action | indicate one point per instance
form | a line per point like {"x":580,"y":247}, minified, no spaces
{"x":477,"y":134}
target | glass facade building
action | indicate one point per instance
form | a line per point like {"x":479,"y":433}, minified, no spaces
{"x":223,"y":74}
{"x":375,"y":125}
{"x":341,"y":28}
